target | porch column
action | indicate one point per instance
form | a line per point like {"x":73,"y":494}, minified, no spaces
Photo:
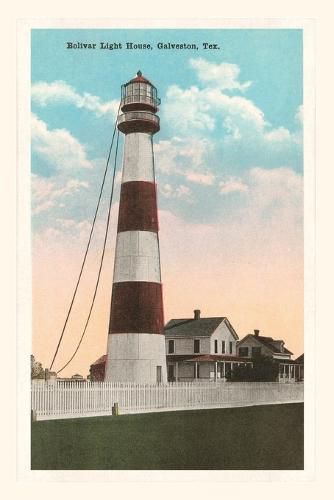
{"x":177,"y":371}
{"x":216,"y":375}
{"x":195,"y":369}
{"x":224,"y":369}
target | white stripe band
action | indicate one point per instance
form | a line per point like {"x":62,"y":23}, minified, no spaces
{"x":138,"y":158}
{"x":137,"y":257}
{"x":134,"y":357}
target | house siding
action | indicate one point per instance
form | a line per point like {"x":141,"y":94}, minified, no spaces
{"x":265,"y":351}
{"x":183,"y":345}
{"x":186,"y":345}
{"x":222,"y":333}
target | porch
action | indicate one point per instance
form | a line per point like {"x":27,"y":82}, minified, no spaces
{"x":206,"y":367}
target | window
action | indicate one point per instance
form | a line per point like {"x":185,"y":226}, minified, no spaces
{"x":243,"y":352}
{"x":256,"y":351}
{"x":196,"y":346}
{"x":223,"y":346}
{"x":216,"y":346}
{"x":135,"y":88}
{"x":171,"y":347}
{"x":148,"y":90}
{"x":231,"y":347}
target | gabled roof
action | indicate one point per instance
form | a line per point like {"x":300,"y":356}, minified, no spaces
{"x":300,"y":359}
{"x":269,"y":342}
{"x":191,"y":327}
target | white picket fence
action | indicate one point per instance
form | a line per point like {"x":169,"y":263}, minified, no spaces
{"x":51,"y":400}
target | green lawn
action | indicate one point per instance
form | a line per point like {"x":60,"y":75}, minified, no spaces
{"x":259,"y":437}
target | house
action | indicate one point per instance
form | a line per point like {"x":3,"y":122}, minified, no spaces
{"x":300,"y":362}
{"x":254,"y":345}
{"x":97,"y":369}
{"x":201,"y":348}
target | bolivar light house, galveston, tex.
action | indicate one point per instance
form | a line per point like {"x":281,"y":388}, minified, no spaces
{"x":136,"y":341}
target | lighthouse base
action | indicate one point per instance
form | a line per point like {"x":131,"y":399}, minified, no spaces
{"x":136,"y":357}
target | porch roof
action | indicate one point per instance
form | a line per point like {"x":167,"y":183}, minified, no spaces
{"x":218,"y":357}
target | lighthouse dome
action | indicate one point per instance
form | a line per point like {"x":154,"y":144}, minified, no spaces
{"x":140,"y":78}
{"x":139,"y":94}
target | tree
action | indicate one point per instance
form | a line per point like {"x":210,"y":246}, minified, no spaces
{"x":264,"y":369}
{"x":37,"y":370}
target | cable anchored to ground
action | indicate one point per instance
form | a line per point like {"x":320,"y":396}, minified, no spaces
{"x":89,"y":239}
{"x":101,"y":262}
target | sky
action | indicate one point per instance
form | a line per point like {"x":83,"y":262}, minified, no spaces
{"x":229,"y":168}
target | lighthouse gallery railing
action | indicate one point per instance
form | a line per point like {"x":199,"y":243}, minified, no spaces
{"x":139,"y":115}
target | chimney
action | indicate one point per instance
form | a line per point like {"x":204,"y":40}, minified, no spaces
{"x":197,"y":314}
{"x":256,"y":333}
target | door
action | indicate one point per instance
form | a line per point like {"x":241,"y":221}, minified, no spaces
{"x":159,"y":374}
{"x":171,"y":377}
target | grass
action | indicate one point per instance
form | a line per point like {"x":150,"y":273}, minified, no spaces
{"x":260,"y":437}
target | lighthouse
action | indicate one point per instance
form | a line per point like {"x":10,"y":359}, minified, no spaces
{"x":136,"y":341}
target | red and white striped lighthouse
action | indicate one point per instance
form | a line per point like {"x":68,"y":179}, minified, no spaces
{"x":136,"y":341}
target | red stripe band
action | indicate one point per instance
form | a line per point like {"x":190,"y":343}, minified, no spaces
{"x":136,"y":307}
{"x":138,"y":207}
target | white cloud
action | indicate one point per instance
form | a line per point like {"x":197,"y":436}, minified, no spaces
{"x":66,"y":223}
{"x":187,"y":110}
{"x":72,"y":186}
{"x":184,"y":158}
{"x":183,"y":191}
{"x":58,"y":147}
{"x":234,"y":126}
{"x":43,"y":207}
{"x":299,"y":117}
{"x":204,"y":109}
{"x":77,"y":229}
{"x":278,"y":184}
{"x":180,"y":192}
{"x":224,"y":75}
{"x":267,"y":219}
{"x":44,"y":93}
{"x":69,"y":232}
{"x":280,"y":134}
{"x":232,"y":185}
{"x":47,"y":193}
{"x":200,"y":178}
{"x":41,"y":188}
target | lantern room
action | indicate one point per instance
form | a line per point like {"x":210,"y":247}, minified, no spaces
{"x":139,"y":94}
